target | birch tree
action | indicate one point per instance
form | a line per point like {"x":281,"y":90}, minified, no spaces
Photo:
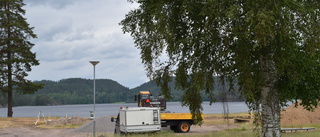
{"x":270,"y":48}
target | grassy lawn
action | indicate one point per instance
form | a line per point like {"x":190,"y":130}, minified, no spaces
{"x":228,"y":133}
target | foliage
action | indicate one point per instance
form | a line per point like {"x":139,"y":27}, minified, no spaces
{"x":15,"y":51}
{"x":270,"y":48}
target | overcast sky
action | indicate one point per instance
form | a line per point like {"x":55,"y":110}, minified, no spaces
{"x":73,"y":32}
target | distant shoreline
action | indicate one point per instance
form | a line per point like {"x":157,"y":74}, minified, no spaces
{"x":104,"y":103}
{"x":83,"y":110}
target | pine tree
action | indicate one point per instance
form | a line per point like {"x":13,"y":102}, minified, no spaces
{"x":15,"y":51}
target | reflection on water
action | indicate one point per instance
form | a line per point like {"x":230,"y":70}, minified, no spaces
{"x":112,"y":109}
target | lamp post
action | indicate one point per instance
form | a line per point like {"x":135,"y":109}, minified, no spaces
{"x":94,"y":63}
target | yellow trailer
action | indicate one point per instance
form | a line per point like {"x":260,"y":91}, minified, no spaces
{"x":175,"y":116}
{"x":178,"y":122}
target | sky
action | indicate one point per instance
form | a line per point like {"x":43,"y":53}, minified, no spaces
{"x":73,"y":32}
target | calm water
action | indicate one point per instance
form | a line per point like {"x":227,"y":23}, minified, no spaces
{"x":112,"y":109}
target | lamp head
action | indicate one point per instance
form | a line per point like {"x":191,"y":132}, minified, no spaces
{"x":94,"y":63}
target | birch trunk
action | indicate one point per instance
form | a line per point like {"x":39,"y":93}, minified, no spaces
{"x":270,"y":113}
{"x":270,"y":101}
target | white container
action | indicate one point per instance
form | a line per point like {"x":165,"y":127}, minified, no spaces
{"x":137,"y":119}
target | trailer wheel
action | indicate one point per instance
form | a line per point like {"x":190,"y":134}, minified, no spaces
{"x":183,"y":127}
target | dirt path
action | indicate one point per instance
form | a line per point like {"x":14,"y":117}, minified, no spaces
{"x":38,"y":132}
{"x":103,"y":127}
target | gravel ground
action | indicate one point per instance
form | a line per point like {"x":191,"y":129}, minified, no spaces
{"x":104,"y":127}
{"x":103,"y":124}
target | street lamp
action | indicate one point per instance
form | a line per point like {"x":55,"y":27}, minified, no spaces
{"x":94,"y":63}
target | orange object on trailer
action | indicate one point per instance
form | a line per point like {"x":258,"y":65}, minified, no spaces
{"x":146,"y":99}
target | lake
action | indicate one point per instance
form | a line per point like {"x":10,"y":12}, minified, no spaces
{"x":112,"y":109}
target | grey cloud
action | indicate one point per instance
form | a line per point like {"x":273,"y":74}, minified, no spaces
{"x":54,"y":31}
{"x":56,"y":4}
{"x":119,"y":46}
{"x":72,"y":32}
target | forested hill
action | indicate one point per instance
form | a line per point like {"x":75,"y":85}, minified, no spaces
{"x":80,"y":91}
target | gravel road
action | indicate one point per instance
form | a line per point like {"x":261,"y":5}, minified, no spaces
{"x":103,"y":124}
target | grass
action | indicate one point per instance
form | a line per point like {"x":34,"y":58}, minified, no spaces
{"x":119,"y":102}
{"x":171,"y":134}
{"x":225,"y":133}
{"x":240,"y":130}
{"x":30,"y":122}
{"x":219,"y":118}
{"x":16,"y":122}
{"x":302,"y":134}
{"x":242,"y":114}
{"x":314,"y":125}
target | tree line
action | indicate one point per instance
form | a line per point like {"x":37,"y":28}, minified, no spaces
{"x":80,"y":91}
